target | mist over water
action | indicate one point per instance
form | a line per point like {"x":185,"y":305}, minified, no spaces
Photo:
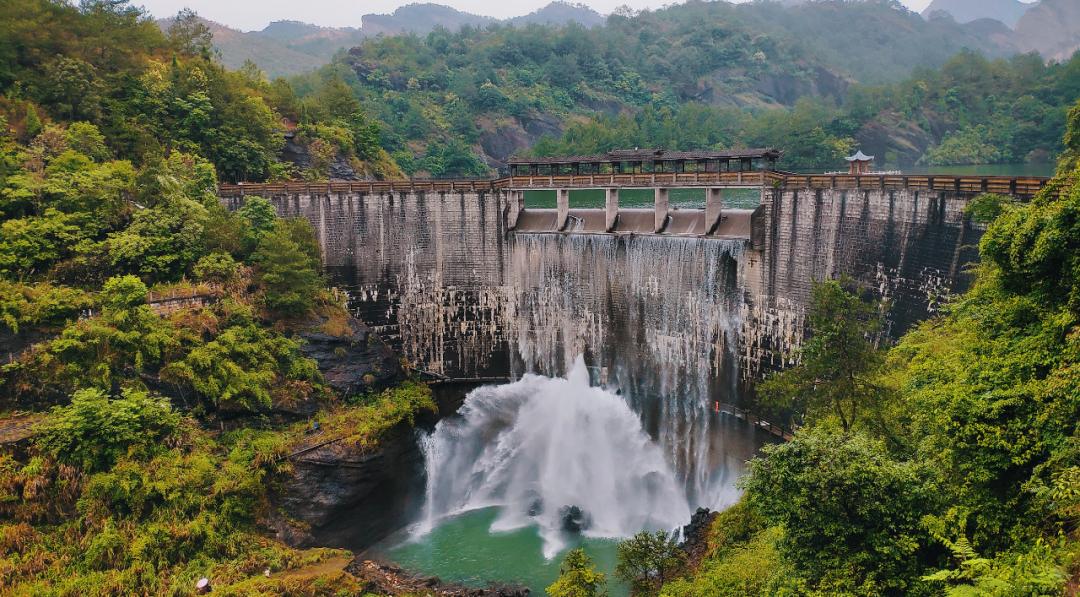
{"x":540,"y":446}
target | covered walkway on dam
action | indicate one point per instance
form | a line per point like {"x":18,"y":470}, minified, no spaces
{"x":715,"y":173}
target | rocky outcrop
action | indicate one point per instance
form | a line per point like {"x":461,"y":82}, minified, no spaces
{"x":696,"y":536}
{"x":352,"y":359}
{"x":341,"y":494}
{"x":386,"y":579}
{"x":890,"y":135}
{"x":1052,"y":28}
{"x":297,"y":153}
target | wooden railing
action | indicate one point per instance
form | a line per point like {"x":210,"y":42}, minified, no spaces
{"x":371,"y":187}
{"x":1005,"y":185}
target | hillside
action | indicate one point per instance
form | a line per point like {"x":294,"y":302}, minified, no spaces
{"x":561,"y":13}
{"x":483,"y":95}
{"x":965,"y":11}
{"x":275,"y":58}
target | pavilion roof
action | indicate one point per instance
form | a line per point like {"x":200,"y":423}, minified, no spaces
{"x":860,"y":157}
{"x":651,"y":155}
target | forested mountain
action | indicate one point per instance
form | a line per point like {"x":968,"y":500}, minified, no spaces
{"x":971,"y":111}
{"x":965,"y":11}
{"x":459,"y":103}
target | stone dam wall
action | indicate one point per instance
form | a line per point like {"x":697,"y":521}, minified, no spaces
{"x":441,"y":277}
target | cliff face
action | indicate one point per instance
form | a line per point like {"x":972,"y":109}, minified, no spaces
{"x":1051,"y":28}
{"x":346,"y":495}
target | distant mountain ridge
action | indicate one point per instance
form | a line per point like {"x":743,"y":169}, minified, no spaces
{"x":966,"y":11}
{"x":286,"y":48}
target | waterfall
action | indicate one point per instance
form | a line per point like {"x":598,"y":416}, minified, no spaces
{"x":659,"y":317}
{"x":555,"y":453}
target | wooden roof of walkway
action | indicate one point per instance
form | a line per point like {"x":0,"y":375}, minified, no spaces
{"x":1022,"y":186}
{"x":650,"y":155}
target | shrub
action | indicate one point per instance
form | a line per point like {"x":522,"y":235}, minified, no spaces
{"x":94,"y":431}
{"x":577,"y":577}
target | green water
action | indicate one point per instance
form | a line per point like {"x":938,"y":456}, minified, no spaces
{"x":462,"y":549}
{"x":677,"y":198}
{"x":1025,"y":169}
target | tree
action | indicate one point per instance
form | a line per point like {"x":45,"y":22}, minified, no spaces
{"x":86,"y":139}
{"x":95,"y":430}
{"x":189,"y":34}
{"x":851,"y":514}
{"x":648,"y":560}
{"x":578,"y":577}
{"x":286,"y":272}
{"x":834,"y":374}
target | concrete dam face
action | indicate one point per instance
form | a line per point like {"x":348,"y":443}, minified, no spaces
{"x":678,"y":323}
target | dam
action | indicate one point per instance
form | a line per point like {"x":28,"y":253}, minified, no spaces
{"x":679,"y":310}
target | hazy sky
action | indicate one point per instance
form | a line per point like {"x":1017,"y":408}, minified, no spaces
{"x":255,"y":14}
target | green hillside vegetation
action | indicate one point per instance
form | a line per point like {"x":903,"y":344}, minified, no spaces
{"x":705,"y":75}
{"x":149,"y":93}
{"x":944,"y":464}
{"x":971,"y":111}
{"x":162,"y":432}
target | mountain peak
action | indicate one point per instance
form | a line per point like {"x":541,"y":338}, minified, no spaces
{"x":965,"y":11}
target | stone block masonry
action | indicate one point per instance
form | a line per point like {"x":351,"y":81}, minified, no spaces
{"x":909,"y":247}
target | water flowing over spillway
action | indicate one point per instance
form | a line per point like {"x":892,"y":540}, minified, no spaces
{"x":555,"y":453}
{"x":659,"y":317}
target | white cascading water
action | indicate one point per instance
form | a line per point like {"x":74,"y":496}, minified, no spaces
{"x":540,"y":446}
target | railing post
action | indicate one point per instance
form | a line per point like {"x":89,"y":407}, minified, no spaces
{"x":611,"y":208}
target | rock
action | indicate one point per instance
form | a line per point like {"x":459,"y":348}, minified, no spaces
{"x":696,"y":535}
{"x":298,"y":154}
{"x":353,"y":362}
{"x":386,"y":579}
{"x":346,"y":495}
{"x":574,"y":519}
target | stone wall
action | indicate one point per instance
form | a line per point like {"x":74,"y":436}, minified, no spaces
{"x":426,"y":271}
{"x":910,"y":248}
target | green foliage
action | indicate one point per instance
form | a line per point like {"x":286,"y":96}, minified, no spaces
{"x":94,"y":430}
{"x":217,"y":267}
{"x":28,"y":245}
{"x":747,"y":569}
{"x":259,"y":217}
{"x":44,"y":304}
{"x":985,"y":208}
{"x":242,"y":367}
{"x":851,"y":514}
{"x":86,"y":139}
{"x":647,"y":560}
{"x":972,"y":145}
{"x":286,"y":271}
{"x":123,"y":293}
{"x":834,"y":377}
{"x":1037,"y":249}
{"x":578,"y":577}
